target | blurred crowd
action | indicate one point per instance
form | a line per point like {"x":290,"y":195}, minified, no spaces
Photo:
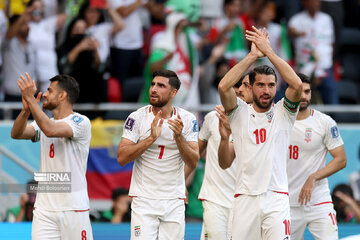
{"x":112,"y":47}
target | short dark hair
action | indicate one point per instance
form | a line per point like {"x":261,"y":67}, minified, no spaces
{"x":304,"y":78}
{"x":264,"y":69}
{"x":117,"y":192}
{"x":174,"y":81}
{"x":69,"y":85}
{"x":238,"y":84}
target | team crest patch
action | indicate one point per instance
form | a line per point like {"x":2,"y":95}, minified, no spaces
{"x":137,"y":231}
{"x":196,"y":126}
{"x":129,"y":124}
{"x":77,"y":119}
{"x":334,"y":132}
{"x":308,"y":134}
{"x":269,"y":116}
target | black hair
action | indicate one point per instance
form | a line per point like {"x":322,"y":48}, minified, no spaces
{"x":174,"y":81}
{"x":238,"y":84}
{"x":264,"y":69}
{"x":304,"y":78}
{"x":13,"y":19}
{"x":69,"y":85}
{"x":85,"y":6}
{"x":117,"y":192}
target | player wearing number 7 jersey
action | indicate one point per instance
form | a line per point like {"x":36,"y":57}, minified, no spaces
{"x":261,"y":134}
{"x":64,"y":144}
{"x":313,"y":136}
{"x":160,"y":139}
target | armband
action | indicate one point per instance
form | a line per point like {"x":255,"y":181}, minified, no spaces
{"x":291,"y":106}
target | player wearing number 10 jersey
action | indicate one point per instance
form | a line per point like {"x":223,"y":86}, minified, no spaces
{"x":313,"y":136}
{"x":160,"y":139}
{"x":64,"y":144}
{"x":261,"y":134}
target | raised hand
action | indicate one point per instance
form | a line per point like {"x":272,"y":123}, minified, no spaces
{"x":224,"y":125}
{"x":176,"y":125}
{"x":26,"y":105}
{"x":156,"y":126}
{"x":27,"y":86}
{"x":260,"y":44}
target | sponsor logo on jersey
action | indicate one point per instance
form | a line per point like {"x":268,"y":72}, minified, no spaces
{"x":77,"y":119}
{"x":129,"y":124}
{"x":196,"y":126}
{"x":334,"y":132}
{"x":137,"y":231}
{"x":308,"y":134}
{"x":252,"y":115}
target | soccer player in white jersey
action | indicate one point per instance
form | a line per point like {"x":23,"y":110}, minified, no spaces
{"x":261,"y":134}
{"x":218,"y":186}
{"x":313,"y":136}
{"x":160,"y":139}
{"x":64,"y":144}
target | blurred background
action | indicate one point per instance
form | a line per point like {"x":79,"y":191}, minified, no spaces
{"x":112,"y":47}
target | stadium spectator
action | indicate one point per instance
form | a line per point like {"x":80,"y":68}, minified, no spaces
{"x":79,"y":57}
{"x":42,"y":37}
{"x":18,"y":55}
{"x":229,"y":30}
{"x":126,"y":50}
{"x":23,"y":212}
{"x":347,"y":208}
{"x":120,"y":209}
{"x":313,"y":34}
{"x":100,"y":30}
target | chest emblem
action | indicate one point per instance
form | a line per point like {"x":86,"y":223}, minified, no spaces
{"x":269,"y":116}
{"x":308,"y":134}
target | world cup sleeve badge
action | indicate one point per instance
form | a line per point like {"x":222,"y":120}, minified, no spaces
{"x":308,"y":134}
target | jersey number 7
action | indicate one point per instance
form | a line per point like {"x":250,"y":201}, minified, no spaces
{"x":162,"y":149}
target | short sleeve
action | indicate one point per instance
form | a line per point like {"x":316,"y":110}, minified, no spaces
{"x":332,"y":134}
{"x":191,"y":129}
{"x":240,"y":104}
{"x":37,"y":132}
{"x":205,"y":133}
{"x":131,"y":128}
{"x":80,"y":126}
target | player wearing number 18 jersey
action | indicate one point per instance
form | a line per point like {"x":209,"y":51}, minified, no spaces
{"x":64,"y":144}
{"x":313,"y":136}
{"x":261,"y":134}
{"x":160,"y":139}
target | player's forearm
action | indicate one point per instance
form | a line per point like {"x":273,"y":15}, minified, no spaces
{"x":226,"y":91}
{"x":332,"y":167}
{"x":46,"y":125}
{"x":128,"y":153}
{"x":189,"y":154}
{"x":20,"y":124}
{"x":287,"y":73}
{"x":225,"y":156}
{"x":117,"y":20}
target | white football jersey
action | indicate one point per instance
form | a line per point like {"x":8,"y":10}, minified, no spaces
{"x":65,"y":155}
{"x":159,"y":172}
{"x":261,"y":141}
{"x":311,"y":140}
{"x":218,"y":185}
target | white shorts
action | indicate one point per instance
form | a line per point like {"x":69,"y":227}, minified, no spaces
{"x":320,"y":220}
{"x":161,"y":219}
{"x":64,"y":225}
{"x":216,"y":221}
{"x":264,"y":216}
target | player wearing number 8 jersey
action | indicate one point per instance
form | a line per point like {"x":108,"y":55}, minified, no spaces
{"x":64,"y":144}
{"x":313,"y":136}
{"x":261,"y":134}
{"x":160,"y":139}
